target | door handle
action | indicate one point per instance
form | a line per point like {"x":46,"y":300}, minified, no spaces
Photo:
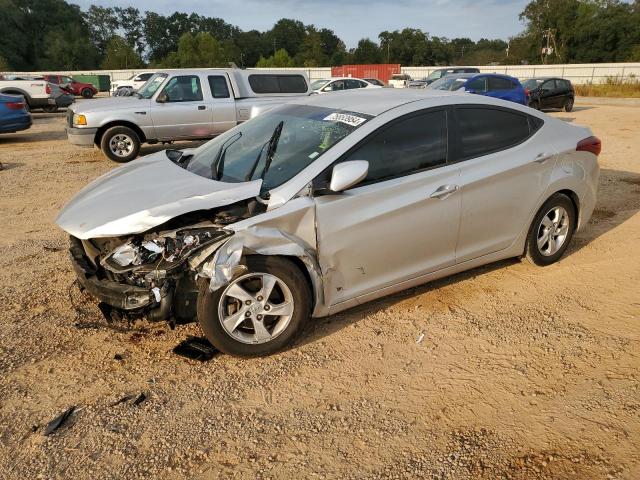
{"x":444,"y":191}
{"x":201,"y":107}
{"x":542,"y":158}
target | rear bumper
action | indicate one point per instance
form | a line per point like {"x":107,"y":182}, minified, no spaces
{"x":16,"y":124}
{"x":82,"y":137}
{"x":117,"y":295}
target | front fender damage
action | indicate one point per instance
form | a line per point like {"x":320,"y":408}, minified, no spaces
{"x":225,"y":265}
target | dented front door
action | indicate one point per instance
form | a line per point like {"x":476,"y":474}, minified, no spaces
{"x":379,"y":235}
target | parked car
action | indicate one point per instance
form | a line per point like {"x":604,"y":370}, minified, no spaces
{"x":62,"y":97}
{"x":37,"y":93}
{"x":550,"y":92}
{"x":489,"y":84}
{"x":443,"y":72}
{"x":399,"y":80}
{"x":134,"y":82}
{"x":336,"y":84}
{"x":13,"y":114}
{"x":375,"y":81}
{"x":357,"y":173}
{"x":72,"y":86}
{"x":180,"y":105}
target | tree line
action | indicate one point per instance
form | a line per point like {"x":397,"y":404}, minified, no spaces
{"x":56,"y":35}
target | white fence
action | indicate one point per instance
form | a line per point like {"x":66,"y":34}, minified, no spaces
{"x":577,"y":73}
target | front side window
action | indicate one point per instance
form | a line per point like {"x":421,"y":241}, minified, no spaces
{"x":549,"y":86}
{"x":477,"y":85}
{"x":218,"y":85}
{"x":152,"y":86}
{"x":484,"y":130}
{"x":415,"y":143}
{"x":185,"y":88}
{"x":306,"y":133}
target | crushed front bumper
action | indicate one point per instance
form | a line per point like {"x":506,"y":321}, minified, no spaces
{"x":115,"y":294}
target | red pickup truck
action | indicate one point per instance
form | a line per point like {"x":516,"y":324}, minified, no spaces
{"x":68,"y":84}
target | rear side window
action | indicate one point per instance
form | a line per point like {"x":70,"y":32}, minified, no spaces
{"x":499,"y":83}
{"x":486,"y":130}
{"x":218,"y":85}
{"x":410,"y":145}
{"x":278,"y":83}
{"x":354,"y":84}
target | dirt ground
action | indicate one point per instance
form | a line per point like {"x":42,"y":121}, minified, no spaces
{"x":522,"y":372}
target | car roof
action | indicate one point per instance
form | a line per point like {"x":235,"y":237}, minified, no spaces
{"x":373,"y":101}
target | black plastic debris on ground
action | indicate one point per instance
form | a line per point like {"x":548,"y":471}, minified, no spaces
{"x":196,"y":348}
{"x":60,"y":420}
{"x":126,"y":398}
{"x":139,"y":399}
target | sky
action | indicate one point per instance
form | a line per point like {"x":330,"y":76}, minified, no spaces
{"x":352,"y":20}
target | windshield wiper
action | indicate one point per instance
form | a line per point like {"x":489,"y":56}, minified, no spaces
{"x":272,"y":144}
{"x":217,"y":167}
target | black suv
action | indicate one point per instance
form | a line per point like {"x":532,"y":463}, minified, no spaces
{"x":547,"y":92}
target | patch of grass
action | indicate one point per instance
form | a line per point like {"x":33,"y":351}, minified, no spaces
{"x":611,"y":87}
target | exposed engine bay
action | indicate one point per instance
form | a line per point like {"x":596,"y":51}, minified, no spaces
{"x":154,"y":274}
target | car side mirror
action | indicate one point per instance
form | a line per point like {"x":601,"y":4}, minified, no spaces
{"x":162,"y":98}
{"x":347,"y":174}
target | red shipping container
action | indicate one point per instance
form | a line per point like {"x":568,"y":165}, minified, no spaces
{"x":381,"y":71}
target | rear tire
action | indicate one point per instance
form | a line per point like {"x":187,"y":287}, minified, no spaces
{"x":551,"y":231}
{"x":568,"y":105}
{"x":535,"y":105}
{"x":120,"y":144}
{"x":236,"y":319}
{"x":87,"y":93}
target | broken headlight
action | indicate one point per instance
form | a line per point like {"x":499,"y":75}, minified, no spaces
{"x":162,"y":252}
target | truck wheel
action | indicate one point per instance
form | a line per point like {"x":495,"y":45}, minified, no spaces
{"x":258,"y":313}
{"x":120,"y":144}
{"x":87,"y":93}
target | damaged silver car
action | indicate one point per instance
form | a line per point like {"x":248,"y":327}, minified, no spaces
{"x":325,"y":203}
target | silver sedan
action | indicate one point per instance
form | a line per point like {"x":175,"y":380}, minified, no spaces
{"x":325,"y":203}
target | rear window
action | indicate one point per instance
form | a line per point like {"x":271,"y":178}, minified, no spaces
{"x":483,"y":130}
{"x":278,"y":83}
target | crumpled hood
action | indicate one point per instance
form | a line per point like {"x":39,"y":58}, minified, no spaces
{"x":111,"y":103}
{"x":143,"y":194}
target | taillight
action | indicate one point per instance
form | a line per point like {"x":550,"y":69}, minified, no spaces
{"x":15,"y":105}
{"x":47,"y":89}
{"x":591,"y":144}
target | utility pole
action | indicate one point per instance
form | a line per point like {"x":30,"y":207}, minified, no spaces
{"x":551,"y":47}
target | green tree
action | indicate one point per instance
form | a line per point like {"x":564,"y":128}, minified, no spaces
{"x":119,"y":55}
{"x":287,"y":34}
{"x":4,"y":65}
{"x":366,"y":52}
{"x":201,"y":50}
{"x":280,"y":59}
{"x":102,"y":23}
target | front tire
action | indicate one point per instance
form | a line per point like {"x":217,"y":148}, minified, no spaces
{"x":260,"y":312}
{"x":120,"y":144}
{"x":50,"y":108}
{"x":551,"y":230}
{"x":87,"y":93}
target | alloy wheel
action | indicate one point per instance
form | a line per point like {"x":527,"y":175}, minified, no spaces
{"x":553,"y":231}
{"x":255,"y":308}
{"x":121,"y":145}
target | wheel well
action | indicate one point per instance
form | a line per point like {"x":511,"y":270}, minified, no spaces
{"x":119,"y":123}
{"x":303,"y":268}
{"x":575,"y":201}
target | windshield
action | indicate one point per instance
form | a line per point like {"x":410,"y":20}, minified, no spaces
{"x":240,"y":154}
{"x":151,"y":86}
{"x":451,"y":82}
{"x":318,"y":84}
{"x":436,"y":74}
{"x":532,"y":83}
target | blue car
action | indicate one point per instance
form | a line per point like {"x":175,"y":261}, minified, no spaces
{"x":13,"y":115}
{"x":489,"y":84}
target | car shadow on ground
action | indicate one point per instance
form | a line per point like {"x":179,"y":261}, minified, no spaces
{"x":619,"y":200}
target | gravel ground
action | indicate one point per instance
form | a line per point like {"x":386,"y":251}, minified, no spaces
{"x":522,"y":372}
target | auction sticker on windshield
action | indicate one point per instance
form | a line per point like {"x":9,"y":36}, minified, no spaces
{"x":352,"y":120}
